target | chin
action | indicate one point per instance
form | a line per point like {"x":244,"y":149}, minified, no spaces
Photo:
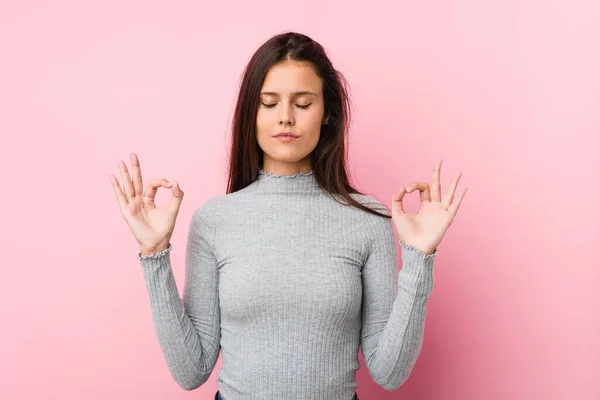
{"x":287,"y":155}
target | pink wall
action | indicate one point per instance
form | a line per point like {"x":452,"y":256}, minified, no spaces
{"x":508,"y":92}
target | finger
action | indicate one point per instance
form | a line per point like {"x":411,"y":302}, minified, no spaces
{"x":456,"y":203}
{"x":137,"y":174}
{"x":176,"y":199}
{"x":129,"y":193}
{"x":449,"y":197}
{"x":422,"y":187}
{"x":435,"y":185}
{"x":118,"y":192}
{"x":397,"y":201}
{"x":153,"y":186}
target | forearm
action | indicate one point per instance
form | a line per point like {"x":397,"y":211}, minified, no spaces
{"x":188,"y":360}
{"x":399,"y":343}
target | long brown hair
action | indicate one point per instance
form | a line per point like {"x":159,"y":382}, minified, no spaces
{"x":328,"y":159}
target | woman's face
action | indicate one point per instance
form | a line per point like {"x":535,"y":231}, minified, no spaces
{"x":291,"y":100}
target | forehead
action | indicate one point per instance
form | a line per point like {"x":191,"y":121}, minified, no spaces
{"x":292,"y":76}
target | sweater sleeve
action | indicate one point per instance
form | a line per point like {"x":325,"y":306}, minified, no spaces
{"x":393,"y":312}
{"x":188,"y":328}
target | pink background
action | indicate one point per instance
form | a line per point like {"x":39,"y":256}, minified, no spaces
{"x":508,"y":92}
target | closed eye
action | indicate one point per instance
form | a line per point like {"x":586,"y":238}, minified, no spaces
{"x":297,"y":105}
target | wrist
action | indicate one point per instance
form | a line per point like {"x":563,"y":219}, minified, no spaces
{"x":427,"y":250}
{"x":144,"y":251}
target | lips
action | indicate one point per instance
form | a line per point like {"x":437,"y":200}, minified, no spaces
{"x":289,"y":134}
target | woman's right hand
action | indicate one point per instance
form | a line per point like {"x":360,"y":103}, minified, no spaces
{"x":152,"y":226}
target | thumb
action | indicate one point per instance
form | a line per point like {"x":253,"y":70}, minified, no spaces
{"x":176,"y":199}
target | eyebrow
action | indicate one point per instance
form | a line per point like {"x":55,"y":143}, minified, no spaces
{"x":304,"y":92}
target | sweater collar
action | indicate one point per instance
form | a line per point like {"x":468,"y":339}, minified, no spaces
{"x":298,"y":182}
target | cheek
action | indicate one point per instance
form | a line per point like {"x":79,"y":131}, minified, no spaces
{"x":260,"y":118}
{"x":313,"y":119}
{"x":316,"y":113}
{"x":262,"y":122}
{"x":318,"y":116}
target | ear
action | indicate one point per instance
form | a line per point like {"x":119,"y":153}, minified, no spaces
{"x":325,"y":119}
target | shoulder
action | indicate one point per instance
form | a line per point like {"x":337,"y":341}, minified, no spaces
{"x":373,"y":203}
{"x":210,"y":209}
{"x":377,"y":228}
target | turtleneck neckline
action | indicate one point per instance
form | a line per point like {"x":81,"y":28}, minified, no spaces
{"x":298,"y":182}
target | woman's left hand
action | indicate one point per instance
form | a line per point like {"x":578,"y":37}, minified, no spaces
{"x":425,"y":229}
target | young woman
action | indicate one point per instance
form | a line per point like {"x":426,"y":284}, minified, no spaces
{"x":292,"y":270}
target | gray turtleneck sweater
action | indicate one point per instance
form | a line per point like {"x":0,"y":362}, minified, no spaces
{"x":288,"y":283}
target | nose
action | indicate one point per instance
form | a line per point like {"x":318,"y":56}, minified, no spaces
{"x":286,"y":118}
{"x":286,"y":121}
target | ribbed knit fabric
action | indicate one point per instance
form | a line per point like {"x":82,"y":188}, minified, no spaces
{"x":287,"y":283}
